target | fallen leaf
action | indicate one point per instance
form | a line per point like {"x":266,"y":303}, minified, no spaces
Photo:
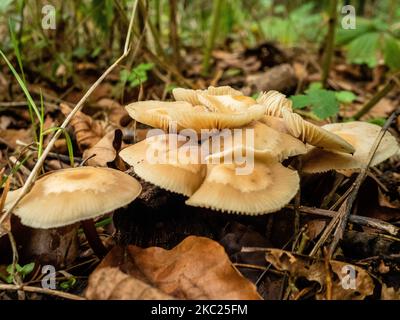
{"x":197,"y":268}
{"x":116,"y":113}
{"x":87,"y":131}
{"x":105,"y":151}
{"x":389,"y":293}
{"x":10,"y":137}
{"x":314,"y":270}
{"x":112,"y":284}
{"x":315,"y":227}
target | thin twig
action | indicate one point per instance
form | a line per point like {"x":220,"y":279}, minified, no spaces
{"x":57,"y":293}
{"x":32,"y":177}
{"x":360,"y":220}
{"x":348,"y":204}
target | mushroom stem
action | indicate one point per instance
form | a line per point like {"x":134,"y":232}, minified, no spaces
{"x":93,"y":238}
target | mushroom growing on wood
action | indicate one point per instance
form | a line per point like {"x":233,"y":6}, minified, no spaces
{"x":167,"y":161}
{"x":68,"y":196}
{"x":361,"y":135}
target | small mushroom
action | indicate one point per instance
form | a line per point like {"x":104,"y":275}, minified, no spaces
{"x":226,"y":103}
{"x":155,"y":113}
{"x":68,"y":196}
{"x":361,"y":135}
{"x":266,"y":189}
{"x":314,"y":135}
{"x":167,"y":161}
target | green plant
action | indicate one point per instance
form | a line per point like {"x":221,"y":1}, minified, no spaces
{"x":370,"y":41}
{"x":68,"y":284}
{"x":137,"y":75}
{"x":34,"y":111}
{"x":323,"y":103}
{"x":22,"y":271}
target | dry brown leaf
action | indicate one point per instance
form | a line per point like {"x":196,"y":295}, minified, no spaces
{"x":110,"y":283}
{"x":314,"y":270}
{"x":315,"y":227}
{"x":87,"y":131}
{"x":116,"y":113}
{"x":198,"y":268}
{"x":10,"y":137}
{"x":389,"y":293}
{"x":105,"y":151}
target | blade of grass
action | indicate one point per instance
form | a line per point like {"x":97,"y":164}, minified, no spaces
{"x":67,"y":139}
{"x":22,"y":85}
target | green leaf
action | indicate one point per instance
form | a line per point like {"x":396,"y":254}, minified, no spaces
{"x":364,"y":49}
{"x":314,"y":85}
{"x":300,"y":101}
{"x":391,"y":52}
{"x":378,"y":121}
{"x":4,"y":5}
{"x":324,"y":103}
{"x":26,"y":269}
{"x":345,"y":96}
{"x":68,"y":284}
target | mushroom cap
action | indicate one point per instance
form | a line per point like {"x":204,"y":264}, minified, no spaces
{"x":67,"y":196}
{"x":262,"y":138}
{"x":266,"y":189}
{"x":198,"y":120}
{"x":361,"y":135}
{"x":191,"y":96}
{"x":275,"y":102}
{"x":226,"y":103}
{"x":314,"y":135}
{"x":173,"y":167}
{"x":155,"y":113}
{"x":275,"y":123}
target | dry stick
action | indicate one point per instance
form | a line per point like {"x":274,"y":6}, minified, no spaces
{"x":348,"y":204}
{"x":376,"y":98}
{"x":343,"y":213}
{"x":330,"y":41}
{"x":360,"y":220}
{"x":32,"y":177}
{"x":61,"y":294}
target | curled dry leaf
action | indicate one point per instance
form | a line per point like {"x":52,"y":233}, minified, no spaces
{"x":197,"y":268}
{"x":314,"y":270}
{"x":9,"y":137}
{"x":110,"y":283}
{"x":105,"y":152}
{"x":87,"y":131}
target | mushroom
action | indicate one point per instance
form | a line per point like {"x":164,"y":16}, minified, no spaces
{"x":68,"y":196}
{"x":275,"y":102}
{"x":168,"y":161}
{"x":191,"y":96}
{"x":199,"y":120}
{"x":266,"y":189}
{"x":155,"y":113}
{"x":361,"y":135}
{"x":314,"y":135}
{"x":261,"y":137}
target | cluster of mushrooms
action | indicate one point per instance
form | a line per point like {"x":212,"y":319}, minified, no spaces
{"x":80,"y":194}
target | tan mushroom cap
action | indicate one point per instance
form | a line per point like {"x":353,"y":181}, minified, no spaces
{"x":261,"y":138}
{"x":275,"y":123}
{"x":275,"y":102}
{"x":166,"y":165}
{"x":191,"y":96}
{"x":362,"y":136}
{"x":198,"y":120}
{"x":314,"y":135}
{"x":268,"y":188}
{"x":70,"y":195}
{"x":226,"y":103}
{"x":155,"y":113}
